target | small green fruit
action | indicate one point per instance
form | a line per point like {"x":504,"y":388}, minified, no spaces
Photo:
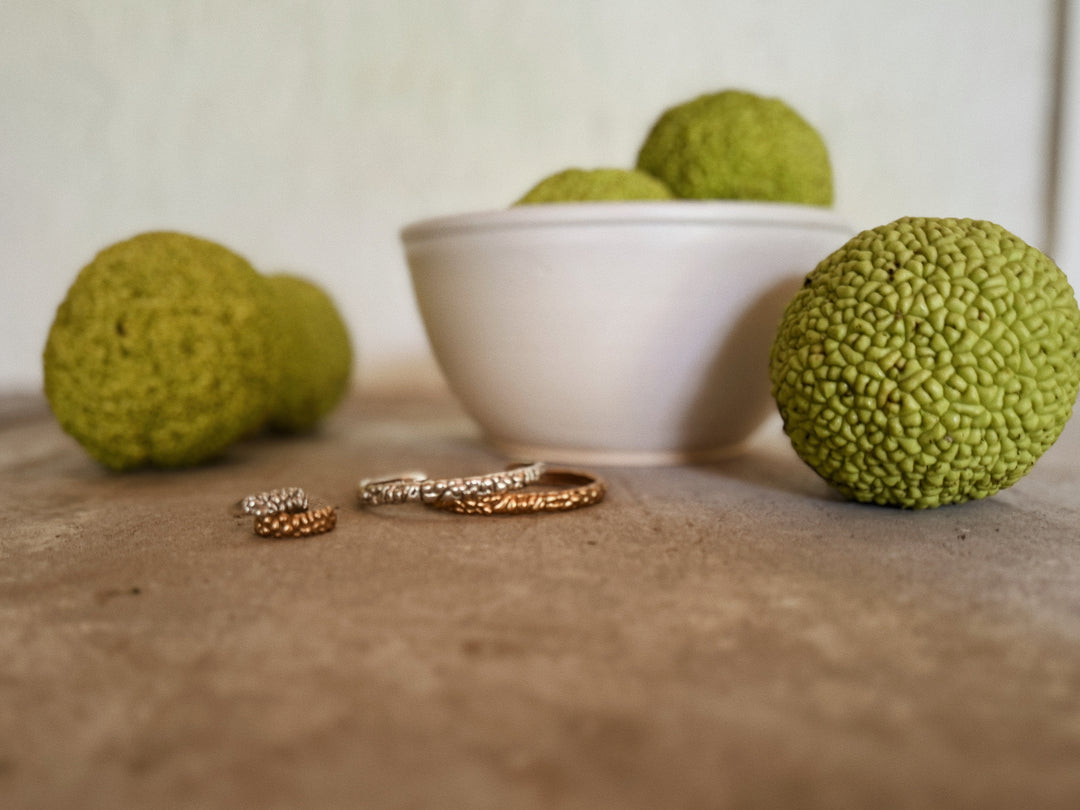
{"x":741,"y":146}
{"x":928,"y":362}
{"x":313,"y":352}
{"x":579,"y":185}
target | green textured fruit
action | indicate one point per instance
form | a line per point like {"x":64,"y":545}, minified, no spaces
{"x":740,"y":146}
{"x":578,"y":185}
{"x":928,"y":362}
{"x":313,"y":352}
{"x":159,"y":354}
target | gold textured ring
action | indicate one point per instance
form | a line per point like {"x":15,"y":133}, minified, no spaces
{"x":296,"y":524}
{"x":417,"y":488}
{"x":575,"y":490}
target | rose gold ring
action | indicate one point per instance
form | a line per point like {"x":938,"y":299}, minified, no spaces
{"x":574,"y":491}
{"x":296,"y":524}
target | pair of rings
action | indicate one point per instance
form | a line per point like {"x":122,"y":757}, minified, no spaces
{"x":285,"y":513}
{"x":501,"y":493}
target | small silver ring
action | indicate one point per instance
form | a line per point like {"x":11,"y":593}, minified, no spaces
{"x":416,"y":488}
{"x":285,"y":499}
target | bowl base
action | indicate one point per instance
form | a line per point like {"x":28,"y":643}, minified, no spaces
{"x":554,"y":455}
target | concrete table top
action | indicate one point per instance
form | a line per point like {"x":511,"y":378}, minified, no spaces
{"x":727,"y":635}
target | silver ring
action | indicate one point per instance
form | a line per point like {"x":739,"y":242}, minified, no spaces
{"x":416,"y":488}
{"x":286,"y":499}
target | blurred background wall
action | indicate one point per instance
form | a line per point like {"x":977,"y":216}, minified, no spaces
{"x":304,"y":133}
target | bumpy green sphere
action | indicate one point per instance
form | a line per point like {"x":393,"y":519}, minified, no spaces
{"x":159,"y":353}
{"x":928,"y":362}
{"x":312,"y":350}
{"x":579,"y":185}
{"x":740,"y":146}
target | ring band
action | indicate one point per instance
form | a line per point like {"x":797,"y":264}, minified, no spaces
{"x":296,"y":524}
{"x":431,"y":491}
{"x":577,"y":490}
{"x":284,"y":513}
{"x":286,"y":499}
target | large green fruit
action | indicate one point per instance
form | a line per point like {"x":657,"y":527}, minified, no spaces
{"x":160,"y":354}
{"x":927,"y":362}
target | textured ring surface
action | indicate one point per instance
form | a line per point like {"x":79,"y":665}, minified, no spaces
{"x":286,"y":499}
{"x":296,"y":524}
{"x":576,"y":490}
{"x":433,"y":491}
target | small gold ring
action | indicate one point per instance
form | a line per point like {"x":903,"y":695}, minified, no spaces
{"x":431,"y":491}
{"x":576,"y":490}
{"x":296,"y":524}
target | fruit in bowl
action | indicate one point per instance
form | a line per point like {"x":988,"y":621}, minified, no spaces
{"x":581,"y":185}
{"x":605,"y":317}
{"x":738,"y":145}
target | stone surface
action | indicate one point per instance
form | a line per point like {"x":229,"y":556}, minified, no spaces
{"x":730,"y":635}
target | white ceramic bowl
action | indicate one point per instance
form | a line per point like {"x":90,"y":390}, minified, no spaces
{"x":614,"y":333}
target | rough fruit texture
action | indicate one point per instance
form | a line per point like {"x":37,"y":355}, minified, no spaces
{"x":311,"y":349}
{"x":738,"y":145}
{"x":159,"y":353}
{"x":579,"y":185}
{"x":928,"y":362}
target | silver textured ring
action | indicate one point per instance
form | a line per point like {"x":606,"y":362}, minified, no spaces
{"x":418,"y":489}
{"x":286,"y":499}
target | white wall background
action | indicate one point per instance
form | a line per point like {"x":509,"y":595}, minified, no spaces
{"x":305,"y":133}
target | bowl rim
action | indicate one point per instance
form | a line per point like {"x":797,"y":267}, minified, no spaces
{"x":629,"y":212}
